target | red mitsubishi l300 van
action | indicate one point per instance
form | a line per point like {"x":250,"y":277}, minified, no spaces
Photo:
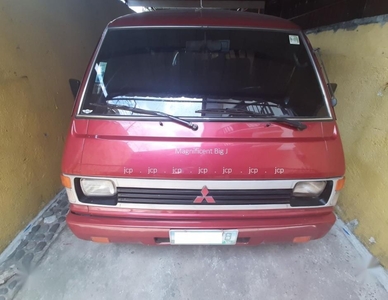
{"x":203,"y":127}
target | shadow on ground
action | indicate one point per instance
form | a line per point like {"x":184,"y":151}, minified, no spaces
{"x":323,"y":269}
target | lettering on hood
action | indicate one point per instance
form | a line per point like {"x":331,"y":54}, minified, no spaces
{"x":200,"y":151}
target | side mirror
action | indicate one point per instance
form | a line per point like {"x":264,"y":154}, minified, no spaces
{"x":333,"y":87}
{"x":74,"y":86}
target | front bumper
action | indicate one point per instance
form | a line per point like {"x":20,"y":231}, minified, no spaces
{"x":152,"y":227}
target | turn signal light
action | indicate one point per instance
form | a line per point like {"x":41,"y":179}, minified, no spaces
{"x":302,"y":239}
{"x":340,"y":184}
{"x":66,"y":181}
{"x":98,"y":239}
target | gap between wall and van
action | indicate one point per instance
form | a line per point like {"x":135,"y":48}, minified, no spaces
{"x":25,"y":252}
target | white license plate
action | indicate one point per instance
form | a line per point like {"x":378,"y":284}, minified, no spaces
{"x":203,"y":237}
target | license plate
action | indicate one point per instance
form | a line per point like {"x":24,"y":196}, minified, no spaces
{"x":203,"y":237}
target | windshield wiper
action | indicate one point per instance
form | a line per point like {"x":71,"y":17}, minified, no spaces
{"x":292,"y":123}
{"x":177,"y":120}
{"x":271,"y":118}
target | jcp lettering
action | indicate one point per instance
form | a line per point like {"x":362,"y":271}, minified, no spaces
{"x":176,"y":171}
{"x":253,"y":171}
{"x":152,"y":170}
{"x":227,"y":171}
{"x":279,"y":170}
{"x":202,"y":170}
{"x":128,"y":170}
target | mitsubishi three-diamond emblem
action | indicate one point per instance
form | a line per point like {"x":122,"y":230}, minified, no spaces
{"x":204,"y":192}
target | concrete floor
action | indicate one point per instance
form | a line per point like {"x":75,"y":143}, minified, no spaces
{"x":323,"y":269}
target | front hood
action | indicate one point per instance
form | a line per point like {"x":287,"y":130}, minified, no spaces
{"x":218,"y":150}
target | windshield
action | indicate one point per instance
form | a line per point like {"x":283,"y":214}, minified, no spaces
{"x":204,"y":73}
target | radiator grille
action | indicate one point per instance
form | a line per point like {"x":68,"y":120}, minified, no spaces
{"x":221,"y":197}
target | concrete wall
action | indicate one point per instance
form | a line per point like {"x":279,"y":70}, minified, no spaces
{"x":43,"y":43}
{"x":356,"y":57}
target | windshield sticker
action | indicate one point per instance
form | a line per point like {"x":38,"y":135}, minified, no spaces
{"x":87,"y":111}
{"x":294,"y":40}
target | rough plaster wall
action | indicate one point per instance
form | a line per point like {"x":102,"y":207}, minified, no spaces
{"x":357,"y":60}
{"x":43,"y":43}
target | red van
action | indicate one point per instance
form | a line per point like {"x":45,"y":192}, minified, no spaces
{"x":203,"y":127}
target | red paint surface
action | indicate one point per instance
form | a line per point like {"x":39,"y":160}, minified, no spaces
{"x":146,"y":226}
{"x":250,"y":151}
{"x":148,"y":150}
{"x":204,"y":17}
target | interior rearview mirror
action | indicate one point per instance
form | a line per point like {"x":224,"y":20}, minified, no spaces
{"x":74,"y":86}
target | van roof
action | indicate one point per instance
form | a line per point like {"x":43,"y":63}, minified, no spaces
{"x":203,"y":17}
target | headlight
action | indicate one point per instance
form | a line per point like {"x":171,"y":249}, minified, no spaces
{"x":309,"y":188}
{"x":97,"y":187}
